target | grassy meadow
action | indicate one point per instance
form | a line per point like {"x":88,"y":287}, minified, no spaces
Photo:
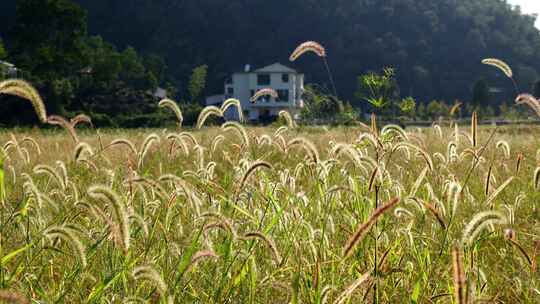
{"x":271,"y":215}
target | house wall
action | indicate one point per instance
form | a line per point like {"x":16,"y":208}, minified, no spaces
{"x":245,"y":84}
{"x":8,"y":71}
{"x":240,"y":85}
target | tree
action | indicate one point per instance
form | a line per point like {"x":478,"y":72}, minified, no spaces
{"x":156,"y":64}
{"x":421,"y":111}
{"x":197,"y":82}
{"x":511,"y":112}
{"x":526,"y":76}
{"x":420,"y":44}
{"x":3,"y":52}
{"x":318,"y":105}
{"x":151,"y":81}
{"x":47,"y":39}
{"x":133,"y":71}
{"x":480,"y":96}
{"x":47,"y":42}
{"x":77,"y":73}
{"x":379,"y":90}
{"x":436,"y":109}
{"x":172,"y":90}
{"x":408,"y":106}
{"x":536,"y":89}
{"x":104,"y":63}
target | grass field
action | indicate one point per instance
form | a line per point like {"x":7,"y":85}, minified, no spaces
{"x":261,"y":215}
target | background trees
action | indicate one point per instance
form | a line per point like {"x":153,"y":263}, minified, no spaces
{"x":197,"y":83}
{"x":435,"y":46}
{"x":49,"y":43}
{"x":3,"y":52}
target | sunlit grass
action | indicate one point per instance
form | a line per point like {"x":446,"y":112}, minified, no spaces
{"x":261,"y":215}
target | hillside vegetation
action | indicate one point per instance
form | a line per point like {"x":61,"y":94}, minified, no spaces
{"x":81,"y":54}
{"x":434,"y":45}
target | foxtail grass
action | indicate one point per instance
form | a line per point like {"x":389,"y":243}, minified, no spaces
{"x":173,"y":106}
{"x":264,"y":92}
{"x":25,"y":90}
{"x":480,"y":221}
{"x":347,"y":293}
{"x":458,"y":275}
{"x":207,"y":112}
{"x":364,"y":228}
{"x":121,"y":217}
{"x":231,"y":102}
{"x":308,"y":46}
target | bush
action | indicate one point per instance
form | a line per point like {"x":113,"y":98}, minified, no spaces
{"x":321,"y":107}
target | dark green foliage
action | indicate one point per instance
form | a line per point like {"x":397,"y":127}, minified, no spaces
{"x":407,"y":107}
{"x":436,"y":109}
{"x":3,"y":52}
{"x":104,"y":64}
{"x":380,"y":90}
{"x":435,"y":46}
{"x":133,"y":72}
{"x":155,"y":65}
{"x":512,"y":112}
{"x":197,"y":82}
{"x":481,"y":96}
{"x":191,"y":113}
{"x":321,"y":107}
{"x":536,"y":89}
{"x":47,"y":38}
{"x":75,"y":72}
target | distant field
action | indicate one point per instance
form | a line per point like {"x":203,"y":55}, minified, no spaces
{"x":266,"y":215}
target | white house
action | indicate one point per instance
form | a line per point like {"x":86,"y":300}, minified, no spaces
{"x":160,"y":93}
{"x":8,"y":69}
{"x":287,"y":82}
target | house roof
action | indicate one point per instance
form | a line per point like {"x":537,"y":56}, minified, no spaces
{"x":160,"y":93}
{"x":273,"y":68}
{"x":5,"y":63}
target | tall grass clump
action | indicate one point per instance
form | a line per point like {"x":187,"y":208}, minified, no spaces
{"x":23,"y":89}
{"x":241,"y":214}
{"x":173,"y":106}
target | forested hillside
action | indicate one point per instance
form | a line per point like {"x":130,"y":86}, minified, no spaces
{"x":435,"y":46}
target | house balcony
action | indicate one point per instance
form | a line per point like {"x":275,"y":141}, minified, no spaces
{"x":273,"y":104}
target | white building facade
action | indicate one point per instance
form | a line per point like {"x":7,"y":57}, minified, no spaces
{"x":287,"y":82}
{"x":8,"y":70}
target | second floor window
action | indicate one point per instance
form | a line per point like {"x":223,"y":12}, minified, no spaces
{"x":285,"y":78}
{"x":230,"y":91}
{"x":263,"y":79}
{"x":283,"y":96}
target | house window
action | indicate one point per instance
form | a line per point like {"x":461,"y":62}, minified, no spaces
{"x":285,"y":78}
{"x":251,"y":93}
{"x":283,"y":96}
{"x":230,"y":91}
{"x":263,"y":79}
